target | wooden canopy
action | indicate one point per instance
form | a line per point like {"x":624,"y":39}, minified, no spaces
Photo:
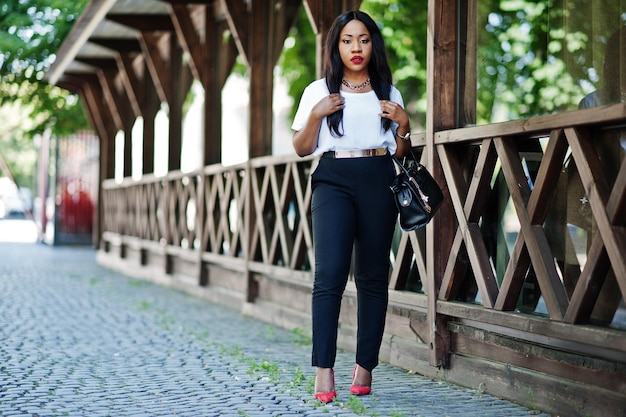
{"x":127,"y":59}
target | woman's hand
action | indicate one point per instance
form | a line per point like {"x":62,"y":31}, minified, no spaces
{"x":305,"y":140}
{"x":328,"y":105}
{"x":396,"y":113}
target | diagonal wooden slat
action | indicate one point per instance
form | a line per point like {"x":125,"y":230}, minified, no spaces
{"x":545,"y":183}
{"x":239,"y":242}
{"x":259,"y":235}
{"x":605,"y":212}
{"x":303,"y":241}
{"x":188,"y":37}
{"x":400,"y":271}
{"x":280,"y":244}
{"x":472,"y":235}
{"x":209,"y":220}
{"x":420,"y":260}
{"x":534,"y":235}
{"x":476,"y":198}
{"x":241,"y":195}
{"x":224,"y":193}
{"x":286,"y":198}
{"x":157,"y":65}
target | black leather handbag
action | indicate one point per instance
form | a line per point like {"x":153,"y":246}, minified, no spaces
{"x":416,"y":194}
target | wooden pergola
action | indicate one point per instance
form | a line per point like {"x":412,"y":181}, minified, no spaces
{"x":249,"y":245}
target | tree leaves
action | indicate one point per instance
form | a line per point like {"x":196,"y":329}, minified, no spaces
{"x":30,"y":34}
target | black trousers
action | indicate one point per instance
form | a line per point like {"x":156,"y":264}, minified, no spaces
{"x":352,"y":207}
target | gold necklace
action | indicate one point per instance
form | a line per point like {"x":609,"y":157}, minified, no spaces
{"x":355,"y":87}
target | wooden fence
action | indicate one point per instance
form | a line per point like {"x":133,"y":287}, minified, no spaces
{"x":532,"y":298}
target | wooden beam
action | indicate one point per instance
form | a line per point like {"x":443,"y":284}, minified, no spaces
{"x":189,"y":38}
{"x":220,"y":61}
{"x":139,"y":84}
{"x":131,"y":83}
{"x":143,"y":22}
{"x":100,"y":113}
{"x":109,"y":97}
{"x":100,"y":63}
{"x":122,"y":45}
{"x":119,"y":96}
{"x":80,"y":86}
{"x":270,"y":23}
{"x":263,"y":21}
{"x":156,"y":63}
{"x":144,"y":101}
{"x":121,"y":111}
{"x":238,"y":17}
{"x":180,"y":81}
{"x":212,"y":60}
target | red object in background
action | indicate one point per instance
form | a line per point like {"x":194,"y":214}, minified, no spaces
{"x":75,"y":208}
{"x":75,"y":189}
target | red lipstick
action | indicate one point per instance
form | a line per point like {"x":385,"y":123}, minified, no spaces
{"x":357,"y":59}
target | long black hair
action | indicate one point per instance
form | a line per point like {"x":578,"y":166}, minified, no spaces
{"x":379,"y":71}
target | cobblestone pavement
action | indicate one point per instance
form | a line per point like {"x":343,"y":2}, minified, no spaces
{"x":77,"y":339}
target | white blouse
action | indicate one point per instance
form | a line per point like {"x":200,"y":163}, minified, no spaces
{"x":362,"y":128}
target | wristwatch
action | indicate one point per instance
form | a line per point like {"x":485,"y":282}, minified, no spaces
{"x":407,"y":136}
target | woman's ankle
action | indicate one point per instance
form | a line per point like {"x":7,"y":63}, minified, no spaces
{"x":324,"y":380}
{"x":362,"y":376}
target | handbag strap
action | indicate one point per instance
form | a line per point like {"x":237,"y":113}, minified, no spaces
{"x":401,"y":165}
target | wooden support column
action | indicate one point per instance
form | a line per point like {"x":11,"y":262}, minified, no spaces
{"x":442,"y":114}
{"x":147,"y":153}
{"x":259,"y":30}
{"x":212,"y":59}
{"x":144,"y":101}
{"x":100,"y":112}
{"x":322,"y":15}
{"x":263,"y":24}
{"x":121,"y":108}
{"x":178,"y":93}
{"x":172,"y":79}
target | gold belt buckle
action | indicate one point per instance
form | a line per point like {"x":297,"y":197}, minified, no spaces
{"x":358,"y":153}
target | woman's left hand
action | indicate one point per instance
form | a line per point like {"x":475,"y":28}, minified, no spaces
{"x":395,"y":112}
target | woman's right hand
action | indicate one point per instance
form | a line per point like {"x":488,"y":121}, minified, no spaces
{"x":329,"y":105}
{"x":305,"y":140}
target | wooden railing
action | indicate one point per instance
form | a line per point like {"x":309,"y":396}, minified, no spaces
{"x":257,"y":213}
{"x":537,"y":265}
{"x":550,"y":168}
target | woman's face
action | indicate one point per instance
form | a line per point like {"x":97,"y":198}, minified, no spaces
{"x":355,"y":46}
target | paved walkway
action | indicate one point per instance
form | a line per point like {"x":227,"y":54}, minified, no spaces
{"x":80,"y":340}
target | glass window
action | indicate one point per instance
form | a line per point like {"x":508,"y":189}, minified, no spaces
{"x":541,"y":57}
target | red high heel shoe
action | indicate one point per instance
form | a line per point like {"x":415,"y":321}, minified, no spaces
{"x":327,"y":397}
{"x":359,"y":389}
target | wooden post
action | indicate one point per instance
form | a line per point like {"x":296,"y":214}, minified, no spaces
{"x":441,"y":114}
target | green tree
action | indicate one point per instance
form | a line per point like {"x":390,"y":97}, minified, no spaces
{"x":30,"y":34}
{"x":537,"y":57}
{"x":403,"y":24}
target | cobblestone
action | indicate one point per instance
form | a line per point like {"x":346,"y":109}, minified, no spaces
{"x":81,"y":340}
